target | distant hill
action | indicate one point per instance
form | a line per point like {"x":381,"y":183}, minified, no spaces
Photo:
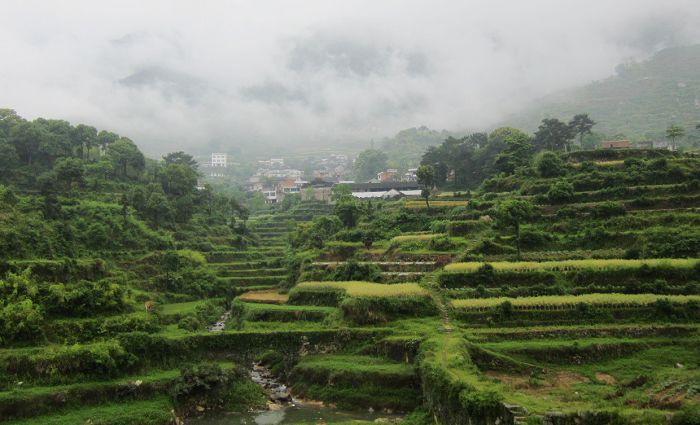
{"x":639,"y":102}
{"x":407,"y":147}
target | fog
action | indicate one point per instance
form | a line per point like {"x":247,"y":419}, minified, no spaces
{"x":229,"y":76}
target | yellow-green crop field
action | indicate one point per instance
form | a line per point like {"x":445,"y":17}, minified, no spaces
{"x":435,"y":204}
{"x":570,"y":301}
{"x":568,"y":265}
{"x":367,"y":289}
{"x":411,"y":238}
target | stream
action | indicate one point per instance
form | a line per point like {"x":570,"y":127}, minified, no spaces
{"x":284,"y":409}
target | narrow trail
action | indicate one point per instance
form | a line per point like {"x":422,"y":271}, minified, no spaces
{"x":446,"y":328}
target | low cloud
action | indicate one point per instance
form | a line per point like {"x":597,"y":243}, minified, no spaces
{"x":275,"y":74}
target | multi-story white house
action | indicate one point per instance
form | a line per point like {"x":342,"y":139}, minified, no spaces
{"x":219,"y":160}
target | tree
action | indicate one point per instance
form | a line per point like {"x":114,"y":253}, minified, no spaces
{"x":341,"y":192}
{"x":426,"y":177}
{"x":549,"y":164}
{"x":69,"y":171}
{"x":85,"y":138}
{"x":8,"y":119}
{"x":581,"y":124}
{"x":124,"y":154}
{"x":124,"y":202}
{"x":368,"y":163}
{"x":435,"y":157}
{"x":512,"y":213}
{"x":348,"y":211}
{"x":157,"y":207}
{"x":106,"y":138}
{"x":26,"y":138}
{"x":180,"y":158}
{"x":553,"y":134}
{"x":178,"y":179}
{"x":8,"y":158}
{"x":674,"y":132}
{"x":517,"y":151}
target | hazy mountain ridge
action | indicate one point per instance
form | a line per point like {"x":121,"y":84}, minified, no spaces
{"x":639,"y":102}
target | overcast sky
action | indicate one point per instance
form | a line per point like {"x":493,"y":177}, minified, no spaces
{"x":200,"y":74}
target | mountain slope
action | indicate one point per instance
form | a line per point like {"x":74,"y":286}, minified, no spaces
{"x":640,"y":101}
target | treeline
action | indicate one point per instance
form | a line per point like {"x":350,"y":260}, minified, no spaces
{"x":66,"y":188}
{"x":467,"y":161}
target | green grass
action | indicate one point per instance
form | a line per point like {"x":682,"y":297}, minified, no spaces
{"x":358,"y":364}
{"x":180,"y":308}
{"x":282,"y":307}
{"x":148,"y":412}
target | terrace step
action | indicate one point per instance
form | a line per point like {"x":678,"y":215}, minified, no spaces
{"x":396,"y":277}
{"x":245,"y":265}
{"x":251,"y":272}
{"x":252,"y":281}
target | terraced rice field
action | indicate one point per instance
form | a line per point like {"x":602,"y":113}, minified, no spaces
{"x":366,"y":289}
{"x":568,"y":302}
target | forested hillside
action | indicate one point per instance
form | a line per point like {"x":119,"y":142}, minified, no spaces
{"x":528,"y":286}
{"x":406,"y":147}
{"x":639,"y":102}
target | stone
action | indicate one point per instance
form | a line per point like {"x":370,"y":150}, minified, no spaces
{"x":281,"y":397}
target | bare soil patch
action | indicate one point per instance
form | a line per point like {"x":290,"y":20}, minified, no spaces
{"x":268,"y":297}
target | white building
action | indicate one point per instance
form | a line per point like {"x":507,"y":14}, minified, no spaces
{"x":219,"y":160}
{"x":270,"y":196}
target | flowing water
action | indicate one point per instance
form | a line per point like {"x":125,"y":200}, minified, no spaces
{"x":283,"y":409}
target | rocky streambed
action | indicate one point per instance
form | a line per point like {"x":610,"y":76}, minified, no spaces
{"x":284,"y":409}
{"x":277,"y":392}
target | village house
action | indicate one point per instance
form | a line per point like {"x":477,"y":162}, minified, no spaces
{"x":616,"y":144}
{"x":387,"y":176}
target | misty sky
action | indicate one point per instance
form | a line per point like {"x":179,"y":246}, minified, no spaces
{"x":200,"y":74}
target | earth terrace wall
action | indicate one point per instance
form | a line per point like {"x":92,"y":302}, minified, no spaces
{"x":455,"y":401}
{"x":130,"y":353}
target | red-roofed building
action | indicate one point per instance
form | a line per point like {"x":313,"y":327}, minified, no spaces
{"x":616,"y":144}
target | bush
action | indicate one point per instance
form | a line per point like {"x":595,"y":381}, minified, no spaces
{"x":608,"y":209}
{"x":439,"y":226}
{"x":441,"y":243}
{"x":534,"y":238}
{"x":343,"y":250}
{"x":352,"y":270}
{"x":688,"y":416}
{"x":189,"y":323}
{"x":21,"y":321}
{"x":560,"y":192}
{"x":549,"y":164}
{"x":465,"y":227}
{"x":204,"y":385}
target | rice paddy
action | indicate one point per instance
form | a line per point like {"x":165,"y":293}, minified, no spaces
{"x":366,"y":289}
{"x":568,"y":265}
{"x":571,"y":301}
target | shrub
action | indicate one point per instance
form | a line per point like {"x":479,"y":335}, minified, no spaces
{"x":353,"y":270}
{"x":549,"y":164}
{"x":204,"y":385}
{"x":343,"y":250}
{"x":690,"y":415}
{"x":439,"y":226}
{"x":465,"y":227}
{"x":441,"y":243}
{"x":608,"y":209}
{"x":534,"y":238}
{"x":21,"y":321}
{"x":560,"y":192}
{"x":189,"y":323}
